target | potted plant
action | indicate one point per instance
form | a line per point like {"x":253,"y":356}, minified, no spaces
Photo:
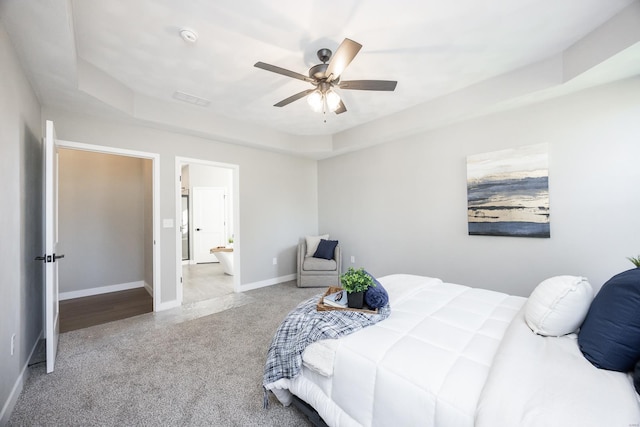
{"x":356,"y":282}
{"x":635,"y":261}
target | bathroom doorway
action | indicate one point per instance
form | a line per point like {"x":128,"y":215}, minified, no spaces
{"x":208,"y":260}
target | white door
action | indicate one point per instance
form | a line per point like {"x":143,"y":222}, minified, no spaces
{"x":208,"y":222}
{"x":52,"y":316}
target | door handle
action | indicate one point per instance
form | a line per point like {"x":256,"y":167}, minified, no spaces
{"x":48,"y":258}
{"x":197,"y":229}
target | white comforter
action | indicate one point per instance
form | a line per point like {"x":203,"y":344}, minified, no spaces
{"x":450,"y":355}
{"x":424,"y":365}
{"x":546,"y":382}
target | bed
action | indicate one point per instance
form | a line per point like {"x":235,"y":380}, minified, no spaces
{"x":451,"y":355}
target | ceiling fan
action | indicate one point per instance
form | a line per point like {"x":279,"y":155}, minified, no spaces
{"x":326,"y":76}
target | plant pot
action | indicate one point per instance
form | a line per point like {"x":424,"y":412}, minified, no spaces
{"x":355,"y":299}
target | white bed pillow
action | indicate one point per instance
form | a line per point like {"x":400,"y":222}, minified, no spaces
{"x":313,"y":242}
{"x":558,"y":305}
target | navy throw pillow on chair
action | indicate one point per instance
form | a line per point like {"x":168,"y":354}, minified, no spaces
{"x":326,"y":248}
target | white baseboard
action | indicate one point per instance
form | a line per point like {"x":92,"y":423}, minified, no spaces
{"x":149,"y":288}
{"x":101,"y":290}
{"x":268,"y":282}
{"x":167,"y":305}
{"x":8,"y":406}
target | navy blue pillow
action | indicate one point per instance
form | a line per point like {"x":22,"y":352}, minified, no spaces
{"x":610,"y":335}
{"x":377,"y":296}
{"x":326,"y":248}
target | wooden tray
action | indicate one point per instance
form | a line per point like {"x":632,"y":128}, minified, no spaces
{"x":324,"y":307}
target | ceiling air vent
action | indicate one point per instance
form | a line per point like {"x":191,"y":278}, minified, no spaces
{"x":191,"y":99}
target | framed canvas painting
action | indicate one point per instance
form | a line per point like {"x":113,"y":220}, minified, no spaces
{"x":508,"y":192}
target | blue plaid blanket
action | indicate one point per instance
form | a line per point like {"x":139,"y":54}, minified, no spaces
{"x":305,"y":325}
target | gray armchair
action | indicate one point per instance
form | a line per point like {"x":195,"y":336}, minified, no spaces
{"x":317,"y":272}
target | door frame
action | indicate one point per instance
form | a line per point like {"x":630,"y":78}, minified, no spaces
{"x":188,"y":227}
{"x":235,"y":196}
{"x":155,"y":167}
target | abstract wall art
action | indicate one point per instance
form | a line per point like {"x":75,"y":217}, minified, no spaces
{"x":508,"y":192}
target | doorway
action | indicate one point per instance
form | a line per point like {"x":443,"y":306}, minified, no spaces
{"x":208,"y":263}
{"x":150,"y":277}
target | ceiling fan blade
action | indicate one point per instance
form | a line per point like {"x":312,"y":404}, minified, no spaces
{"x":347,"y":50}
{"x":292,"y":98}
{"x":388,"y":85}
{"x":341,"y":108}
{"x":283,"y":71}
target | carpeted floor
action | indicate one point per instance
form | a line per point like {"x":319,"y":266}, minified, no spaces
{"x":141,"y":371}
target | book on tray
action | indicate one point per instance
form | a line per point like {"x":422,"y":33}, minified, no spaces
{"x":336,"y":299}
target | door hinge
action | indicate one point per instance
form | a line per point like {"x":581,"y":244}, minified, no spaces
{"x":181,"y":280}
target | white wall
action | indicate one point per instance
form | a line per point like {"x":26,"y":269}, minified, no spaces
{"x":21,"y":225}
{"x":209,"y":176}
{"x":401,"y":206}
{"x":278,"y":193}
{"x":101,"y":220}
{"x":199,"y":175}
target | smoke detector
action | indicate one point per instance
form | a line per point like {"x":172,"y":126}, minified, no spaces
{"x":188,"y":35}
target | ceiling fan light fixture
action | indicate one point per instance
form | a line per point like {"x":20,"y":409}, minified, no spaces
{"x":333,"y":100}
{"x":316,"y":101}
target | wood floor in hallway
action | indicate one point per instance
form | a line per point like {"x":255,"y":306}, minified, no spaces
{"x":83,"y":312}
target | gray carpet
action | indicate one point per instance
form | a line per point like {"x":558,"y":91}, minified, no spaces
{"x":138,"y":371}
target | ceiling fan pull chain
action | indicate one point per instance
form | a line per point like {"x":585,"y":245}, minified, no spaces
{"x":324,"y":108}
